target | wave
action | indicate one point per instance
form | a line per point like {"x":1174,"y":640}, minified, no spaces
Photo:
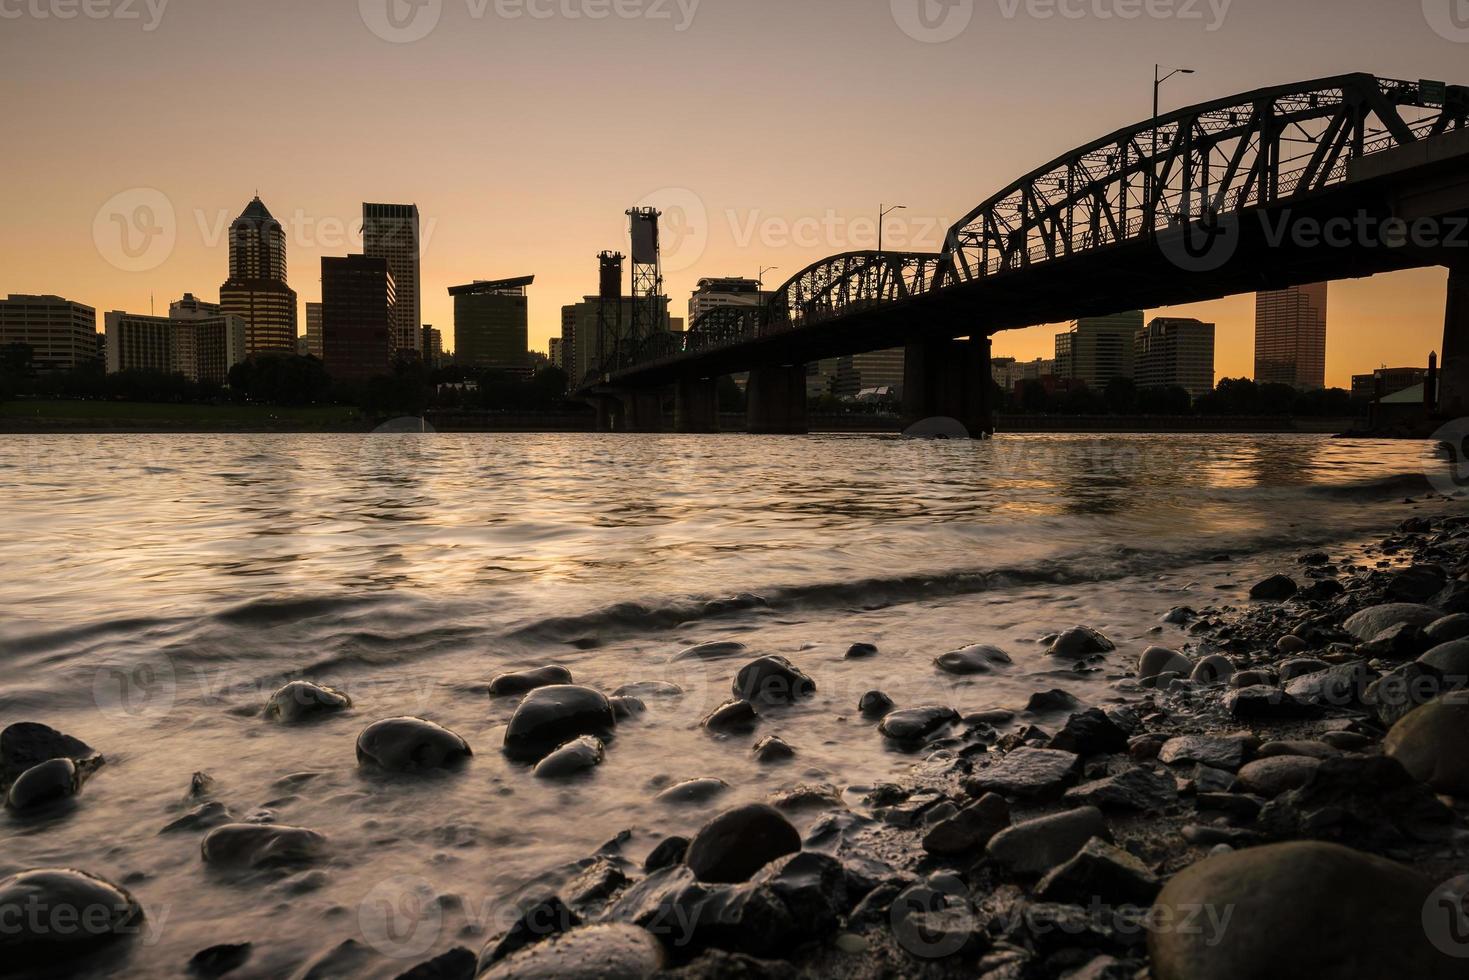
{"x":1385,"y":488}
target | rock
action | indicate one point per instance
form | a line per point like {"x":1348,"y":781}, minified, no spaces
{"x":1079,"y":642}
{"x":1207,"y":779}
{"x":202,"y":817}
{"x":1349,"y":916}
{"x":1180,"y":616}
{"x":410,"y":745}
{"x":858,"y":651}
{"x":1045,"y":702}
{"x":971,"y":828}
{"x":1132,"y":789}
{"x":807,"y":796}
{"x":301,"y":701}
{"x":1251,"y":678}
{"x":1347,"y":741}
{"x":1290,"y":643}
{"x":1272,"y":776}
{"x":1416,"y":583}
{"x":934,"y":919}
{"x":733,"y":715}
{"x":1041,"y":843}
{"x":1100,"y":872}
{"x":53,"y":915}
{"x":693,"y":791}
{"x":1260,"y":703}
{"x":1327,"y":588}
{"x":1448,"y":629}
{"x":27,"y":743}
{"x":739,"y":842}
{"x":1090,"y":733}
{"x":981,"y":658}
{"x":551,"y":716}
{"x":576,"y":756}
{"x":812,"y":887}
{"x":1398,"y":692}
{"x":916,"y":724}
{"x":626,"y":706}
{"x":44,"y":785}
{"x":1213,"y":669}
{"x":1160,"y":660}
{"x":1341,"y":686}
{"x":1027,"y":773}
{"x":1314,"y":749}
{"x":539,"y":920}
{"x":772,"y":748}
{"x":454,"y":964}
{"x":525,"y":681}
{"x":1373,"y":620}
{"x":348,"y":958}
{"x":1370,"y":800}
{"x":670,"y":851}
{"x":605,"y":951}
{"x":1401,"y":642}
{"x":261,"y":845}
{"x":1451,"y":660}
{"x":772,"y":680}
{"x":648,"y":689}
{"x":717,"y":964}
{"x":1219,"y":751}
{"x":598,"y":881}
{"x":1430,"y":744}
{"x":1274,"y":589}
{"x":875,"y":704}
{"x":216,"y":961}
{"x":1299,"y":667}
{"x":711,"y":651}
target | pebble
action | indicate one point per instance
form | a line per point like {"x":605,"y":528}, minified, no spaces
{"x":1275,"y":775}
{"x":874,"y":704}
{"x":739,"y":842}
{"x":772,"y":680}
{"x":915,"y":724}
{"x":1078,"y":642}
{"x":858,"y":651}
{"x":410,"y":745}
{"x":1274,"y":588}
{"x":1100,"y":872}
{"x":260,"y":845}
{"x":551,"y":716}
{"x":576,"y":756}
{"x":772,"y":748}
{"x":718,"y":650}
{"x":525,"y":681}
{"x":44,"y":785}
{"x":970,"y":828}
{"x":1213,"y":669}
{"x":977,"y":659}
{"x":693,"y":791}
{"x":301,"y":701}
{"x":27,"y":743}
{"x":733,"y":715}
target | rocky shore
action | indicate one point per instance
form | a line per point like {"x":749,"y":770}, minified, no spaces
{"x":1278,"y":786}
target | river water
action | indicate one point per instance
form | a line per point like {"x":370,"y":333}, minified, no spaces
{"x":156,"y":589}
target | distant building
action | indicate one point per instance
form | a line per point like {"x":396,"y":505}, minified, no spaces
{"x":390,"y":231}
{"x":256,"y":290}
{"x":1175,"y":351}
{"x":716,"y":292}
{"x":200,"y":346}
{"x":491,"y":318}
{"x":1394,"y":380}
{"x":357,"y":310}
{"x":579,"y":333}
{"x":1008,"y":372}
{"x":433,"y":346}
{"x":556,"y":355}
{"x":1290,"y":336}
{"x":61,"y":334}
{"x":1097,"y":349}
{"x":312,"y":336}
{"x":192,"y":307}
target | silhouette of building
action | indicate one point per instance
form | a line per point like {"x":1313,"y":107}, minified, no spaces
{"x":1099,"y":348}
{"x":61,"y":334}
{"x":192,"y":307}
{"x":256,"y":290}
{"x":1290,"y":336}
{"x":1394,"y":380}
{"x":579,"y":332}
{"x":1175,"y":351}
{"x":1009,"y":372}
{"x":490,"y":324}
{"x":192,"y":340}
{"x":313,"y":330}
{"x":433,"y":346}
{"x":390,"y":231}
{"x":357,"y":310}
{"x":728,"y":291}
{"x":555,"y":353}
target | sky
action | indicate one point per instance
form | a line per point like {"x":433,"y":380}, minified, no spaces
{"x":770,"y":132}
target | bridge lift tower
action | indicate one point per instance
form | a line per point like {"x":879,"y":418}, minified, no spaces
{"x":648,"y":314}
{"x":610,"y":353}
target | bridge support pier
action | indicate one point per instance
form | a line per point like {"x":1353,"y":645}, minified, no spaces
{"x":1453,"y":384}
{"x":696,"y":405}
{"x":609,"y":412}
{"x":949,"y":378}
{"x":642,"y":411}
{"x":776,"y":400}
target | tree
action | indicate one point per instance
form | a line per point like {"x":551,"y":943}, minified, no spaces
{"x":281,"y":379}
{"x":17,"y":360}
{"x":1121,"y":396}
{"x":1165,"y":400}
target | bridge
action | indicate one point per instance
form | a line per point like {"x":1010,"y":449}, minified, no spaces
{"x":1335,"y":178}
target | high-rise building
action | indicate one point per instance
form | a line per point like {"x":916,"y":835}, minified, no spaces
{"x":490,"y":324}
{"x":390,"y":231}
{"x":433,"y":346}
{"x":729,"y":291}
{"x":357,"y":310}
{"x":1176,"y":351}
{"x":61,"y":334}
{"x":555,"y":355}
{"x":313,"y":330}
{"x":199,"y":344}
{"x":1290,"y":336}
{"x":256,"y":290}
{"x":1098,"y":348}
{"x":1009,"y":372}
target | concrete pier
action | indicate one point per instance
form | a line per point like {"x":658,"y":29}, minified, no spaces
{"x":776,"y":400}
{"x":949,"y":378}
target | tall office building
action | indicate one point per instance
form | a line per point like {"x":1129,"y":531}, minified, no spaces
{"x":1098,"y":348}
{"x":1176,"y":351}
{"x":256,"y":290}
{"x":357,"y":310}
{"x":313,"y":330}
{"x":1290,"y":336}
{"x":490,"y":324}
{"x":433,"y":346}
{"x":390,"y":231}
{"x":554,"y":353}
{"x":200,"y":344}
{"x":61,"y":334}
{"x":728,"y":291}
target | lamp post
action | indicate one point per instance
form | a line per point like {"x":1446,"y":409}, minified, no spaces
{"x":760,"y":284}
{"x":1158,"y":81}
{"x":882,"y":213}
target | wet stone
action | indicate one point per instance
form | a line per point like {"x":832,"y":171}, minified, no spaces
{"x":969,"y":829}
{"x":1078,"y":642}
{"x":738,"y":842}
{"x":1100,"y":871}
{"x":540,"y":919}
{"x":693,"y":791}
{"x":550,"y":716}
{"x":772,"y":680}
{"x":202,"y":817}
{"x":1045,"y":702}
{"x":525,"y":681}
{"x":772,"y":748}
{"x":614,"y":951}
{"x":1275,"y":588}
{"x":1132,"y":789}
{"x":410,"y":745}
{"x":257,"y":845}
{"x":44,"y":786}
{"x":1041,"y":843}
{"x":301,"y":701}
{"x":718,"y":650}
{"x":875,"y":704}
{"x":916,"y":724}
{"x":733,"y":715}
{"x":668,"y":852}
{"x":216,"y":961}
{"x":626,"y":706}
{"x":95,"y":914}
{"x":576,"y":756}
{"x":981,"y":658}
{"x":1027,"y":773}
{"x":1219,"y":751}
{"x":858,"y":651}
{"x":27,"y":743}
{"x":1275,"y":775}
{"x":1261,"y":703}
{"x":1090,"y":733}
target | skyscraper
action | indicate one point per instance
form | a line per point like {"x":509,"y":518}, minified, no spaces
{"x":1098,"y":348}
{"x":313,"y":330}
{"x":62,"y":335}
{"x":490,"y":323}
{"x":390,"y":231}
{"x":256,"y":290}
{"x":1290,"y":336}
{"x":1176,"y":351}
{"x":195,"y":340}
{"x":357,"y":310}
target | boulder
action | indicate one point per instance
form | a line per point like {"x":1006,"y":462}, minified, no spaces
{"x":733,"y":715}
{"x":551,"y":716}
{"x":1451,"y":660}
{"x":410,"y":745}
{"x":525,"y":681}
{"x":1132,"y":789}
{"x":969,"y":829}
{"x":693,"y":791}
{"x":1079,"y":642}
{"x":1341,"y":686}
{"x":1090,"y":733}
{"x":1448,"y":629}
{"x":301,"y":701}
{"x":916,"y":724}
{"x":261,"y":845}
{"x":1269,"y":777}
{"x":28,"y":743}
{"x":1430,"y":743}
{"x":668,"y":852}
{"x":981,"y":658}
{"x":1100,"y":872}
{"x":44,"y":785}
{"x":604,"y":951}
{"x":1213,"y":669}
{"x":739,"y":842}
{"x":1041,"y":843}
{"x":772,"y":680}
{"x":1027,"y":773}
{"x":576,"y":756}
{"x":79,"y":914}
{"x":1373,"y":620}
{"x":1274,"y":589}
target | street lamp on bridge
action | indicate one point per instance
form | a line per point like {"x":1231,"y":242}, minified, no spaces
{"x":760,"y":283}
{"x":882,"y":213}
{"x":1158,"y":81}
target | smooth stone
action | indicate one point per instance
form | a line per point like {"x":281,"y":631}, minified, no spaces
{"x":1448,"y":629}
{"x":52,"y":915}
{"x":971,"y":828}
{"x":1450,"y":659}
{"x":525,"y":681}
{"x":859,"y":651}
{"x":1269,"y":777}
{"x":1078,"y":642}
{"x":648,"y":689}
{"x":220,"y":959}
{"x":1213,"y":669}
{"x":1299,"y":909}
{"x":914,"y":724}
{"x":1416,"y":583}
{"x":301,"y":701}
{"x":551,"y":716}
{"x":1207,"y":779}
{"x":1100,"y":872}
{"x":410,"y":745}
{"x":1132,"y":789}
{"x":1274,"y":589}
{"x":1262,"y":703}
{"x":261,"y":845}
{"x":1027,"y":772}
{"x":875,"y":704}
{"x":772,"y":680}
{"x":1314,"y":749}
{"x":693,"y":791}
{"x":1430,"y":742}
{"x":604,"y":951}
{"x":1374,"y":620}
{"x":202,"y":817}
{"x":28,"y":743}
{"x":1220,"y":752}
{"x":807,"y":796}
{"x":981,"y":658}
{"x":1338,"y":686}
{"x":739,"y":842}
{"x":1290,"y":644}
{"x":42,"y":785}
{"x":1089,"y":733}
{"x":1404,"y":688}
{"x":626,"y":706}
{"x":668,"y":852}
{"x":1043,"y":702}
{"x":1300,"y":667}
{"x":1180,"y":616}
{"x":733,"y":715}
{"x":1347,"y":741}
{"x":1041,"y":843}
{"x":712,"y":651}
{"x":1250,"y":678}
{"x":772,"y":748}
{"x":576,"y":756}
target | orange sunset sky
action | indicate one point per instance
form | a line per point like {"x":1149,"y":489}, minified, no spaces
{"x":523,"y":129}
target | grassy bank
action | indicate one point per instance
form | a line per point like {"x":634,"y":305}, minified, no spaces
{"x":101,"y":416}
